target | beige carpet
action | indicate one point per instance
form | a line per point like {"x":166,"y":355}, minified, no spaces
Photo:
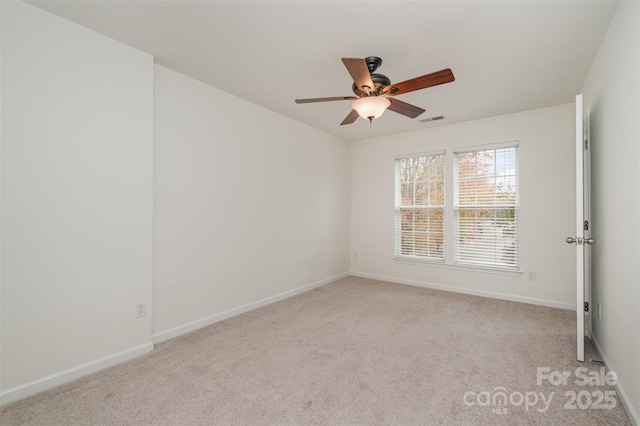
{"x":354,"y":352}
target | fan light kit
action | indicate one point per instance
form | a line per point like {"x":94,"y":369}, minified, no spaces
{"x":371,"y":107}
{"x":374,"y":92}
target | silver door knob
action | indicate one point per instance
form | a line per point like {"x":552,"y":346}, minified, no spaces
{"x":589,"y":241}
{"x":571,"y":240}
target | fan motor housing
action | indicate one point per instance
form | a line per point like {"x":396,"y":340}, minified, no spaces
{"x":379,"y":81}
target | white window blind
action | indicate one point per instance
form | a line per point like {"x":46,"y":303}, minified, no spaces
{"x":419,"y":206}
{"x":486,"y":207}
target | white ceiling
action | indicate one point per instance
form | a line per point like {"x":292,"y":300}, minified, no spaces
{"x":507,"y":56}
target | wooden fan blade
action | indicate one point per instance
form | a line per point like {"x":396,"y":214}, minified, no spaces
{"x":429,"y":80}
{"x":404,"y":108}
{"x":335,"y":98}
{"x":353,"y":116}
{"x":359,"y":71}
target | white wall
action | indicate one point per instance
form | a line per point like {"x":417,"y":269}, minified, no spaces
{"x":612,"y":93}
{"x":77,"y":143}
{"x":249,"y":205}
{"x":547,"y":199}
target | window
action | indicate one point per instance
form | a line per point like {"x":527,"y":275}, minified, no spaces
{"x":420,"y":206}
{"x":459,"y":208}
{"x":486,"y":208}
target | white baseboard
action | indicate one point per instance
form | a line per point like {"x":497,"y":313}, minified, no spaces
{"x":31,"y":388}
{"x":195,"y":325}
{"x":626,"y":402}
{"x":472,"y":292}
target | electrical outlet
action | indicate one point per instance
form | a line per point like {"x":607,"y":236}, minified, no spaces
{"x":599,"y":311}
{"x":531,"y":275}
{"x":141,"y":310}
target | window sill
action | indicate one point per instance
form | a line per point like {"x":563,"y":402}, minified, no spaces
{"x":441,"y":264}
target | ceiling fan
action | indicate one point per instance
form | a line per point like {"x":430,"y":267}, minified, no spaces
{"x":374,"y":92}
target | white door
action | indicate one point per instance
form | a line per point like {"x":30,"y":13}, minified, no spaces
{"x":582,"y":238}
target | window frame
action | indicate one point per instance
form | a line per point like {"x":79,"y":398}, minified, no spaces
{"x":429,"y":207}
{"x":481,"y":257}
{"x":449,"y":212}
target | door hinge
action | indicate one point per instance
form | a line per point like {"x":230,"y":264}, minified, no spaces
{"x":586,"y":306}
{"x":586,"y":225}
